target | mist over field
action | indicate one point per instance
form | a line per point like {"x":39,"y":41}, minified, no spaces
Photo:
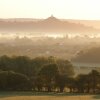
{"x":63,"y":46}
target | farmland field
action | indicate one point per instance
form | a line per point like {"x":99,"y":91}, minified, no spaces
{"x":36,"y":96}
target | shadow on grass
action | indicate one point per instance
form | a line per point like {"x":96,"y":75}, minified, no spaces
{"x":13,"y":94}
{"x":96,"y":97}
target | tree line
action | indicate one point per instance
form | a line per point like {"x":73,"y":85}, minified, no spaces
{"x":48,"y":74}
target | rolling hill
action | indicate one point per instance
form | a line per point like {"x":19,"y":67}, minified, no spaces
{"x":49,"y":25}
{"x":91,"y":55}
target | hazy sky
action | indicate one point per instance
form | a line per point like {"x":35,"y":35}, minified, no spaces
{"x":67,"y":9}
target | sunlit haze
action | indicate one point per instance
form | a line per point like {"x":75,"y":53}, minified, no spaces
{"x":66,"y":9}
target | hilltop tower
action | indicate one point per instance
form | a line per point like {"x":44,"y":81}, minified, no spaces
{"x":52,"y":19}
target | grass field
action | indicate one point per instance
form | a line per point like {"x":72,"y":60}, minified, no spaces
{"x":43,"y":96}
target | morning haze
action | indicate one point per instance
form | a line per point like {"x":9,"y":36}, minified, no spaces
{"x":49,"y":48}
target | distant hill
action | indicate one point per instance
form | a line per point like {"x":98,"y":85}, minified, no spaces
{"x":92,"y":23}
{"x":49,"y":25}
{"x":88,"y":56}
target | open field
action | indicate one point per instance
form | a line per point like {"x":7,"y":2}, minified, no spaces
{"x":40,"y":96}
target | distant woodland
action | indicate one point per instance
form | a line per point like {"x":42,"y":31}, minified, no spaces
{"x":91,"y":55}
{"x":61,"y":47}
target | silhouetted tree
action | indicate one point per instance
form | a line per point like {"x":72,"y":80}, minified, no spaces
{"x":10,"y":80}
{"x":95,"y":79}
{"x":49,"y":74}
{"x":61,"y":82}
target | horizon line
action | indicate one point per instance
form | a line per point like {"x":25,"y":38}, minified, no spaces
{"x":48,"y":17}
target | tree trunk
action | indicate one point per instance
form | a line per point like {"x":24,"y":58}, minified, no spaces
{"x":61,"y":89}
{"x":88,"y":88}
{"x":49,"y":89}
{"x":71,"y":90}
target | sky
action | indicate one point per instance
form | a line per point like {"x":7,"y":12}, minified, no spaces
{"x":64,"y":9}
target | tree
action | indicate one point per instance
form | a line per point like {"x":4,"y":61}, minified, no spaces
{"x":17,"y":81}
{"x":61,"y":82}
{"x":95,"y":79}
{"x":3,"y":80}
{"x":65,"y":67}
{"x":71,"y":84}
{"x":87,"y":82}
{"x":38,"y":83}
{"x":5,"y":63}
{"x":81,"y":83}
{"x":10,"y":80}
{"x":48,"y":74}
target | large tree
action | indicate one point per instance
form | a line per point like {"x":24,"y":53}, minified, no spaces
{"x":61,"y":82}
{"x":95,"y":80}
{"x":10,"y":80}
{"x":49,"y":74}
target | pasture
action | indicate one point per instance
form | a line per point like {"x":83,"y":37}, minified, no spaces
{"x":45,"y":96}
